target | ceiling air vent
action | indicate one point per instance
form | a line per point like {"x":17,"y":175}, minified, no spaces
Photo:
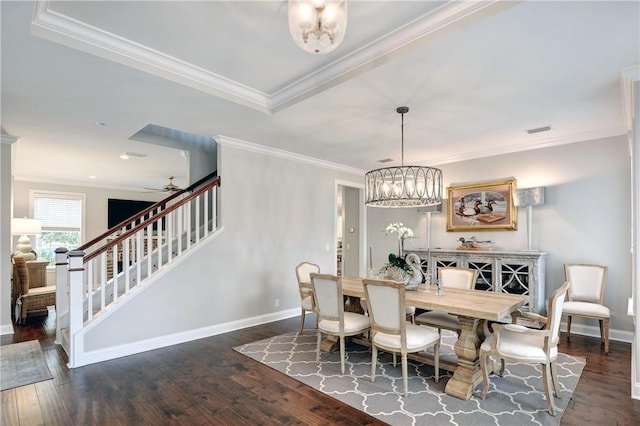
{"x":385,"y":160}
{"x":539,"y":130}
{"x":136,"y":154}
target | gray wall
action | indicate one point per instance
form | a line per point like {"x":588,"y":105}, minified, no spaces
{"x":586,"y":218}
{"x":351,"y":233}
{"x":276,"y":213}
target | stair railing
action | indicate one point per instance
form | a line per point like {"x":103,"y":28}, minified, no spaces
{"x":93,"y":282}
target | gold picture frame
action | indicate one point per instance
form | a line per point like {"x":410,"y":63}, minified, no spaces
{"x":483,"y":206}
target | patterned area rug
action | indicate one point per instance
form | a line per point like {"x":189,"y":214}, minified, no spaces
{"x":22,"y":364}
{"x":515,"y":399}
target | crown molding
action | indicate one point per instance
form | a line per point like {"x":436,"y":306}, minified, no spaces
{"x":70,"y":32}
{"x":408,"y":37}
{"x":60,"y":28}
{"x":8,"y":139}
{"x":528,"y":146}
{"x":279,"y":153}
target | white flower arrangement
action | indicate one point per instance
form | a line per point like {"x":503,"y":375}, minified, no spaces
{"x":404,"y":233}
{"x":397,"y":267}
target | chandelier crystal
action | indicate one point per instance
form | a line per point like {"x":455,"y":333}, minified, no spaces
{"x":318,"y":26}
{"x":404,"y":186}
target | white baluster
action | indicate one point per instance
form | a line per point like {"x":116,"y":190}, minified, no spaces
{"x":197,"y":205}
{"x":169,"y":232}
{"x":103,"y":279}
{"x":116,"y":271}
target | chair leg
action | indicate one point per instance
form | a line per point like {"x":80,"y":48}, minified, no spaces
{"x":485,"y":373}
{"x":436,"y":361}
{"x":554,"y":379}
{"x":318,"y":346}
{"x":301,"y":322}
{"x":342,"y":354}
{"x":404,"y":373}
{"x":546,"y":379}
{"x":374,"y":360}
{"x":605,"y":330}
{"x":502,"y":366}
{"x":569,"y":326}
{"x":394,"y":360}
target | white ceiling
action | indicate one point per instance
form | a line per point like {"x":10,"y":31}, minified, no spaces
{"x":475,"y":76}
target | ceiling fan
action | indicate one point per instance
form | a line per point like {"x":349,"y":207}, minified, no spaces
{"x":169,"y":187}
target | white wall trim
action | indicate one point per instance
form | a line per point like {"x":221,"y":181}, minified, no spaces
{"x":383,"y":49}
{"x":527,"y":146}
{"x":70,"y":32}
{"x":6,"y":329}
{"x":183,"y":337}
{"x":593,"y":331}
{"x":8,"y":139}
{"x":63,"y":29}
{"x":279,"y":153}
{"x":627,"y":77}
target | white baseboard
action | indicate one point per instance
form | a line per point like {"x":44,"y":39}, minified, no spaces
{"x":635,"y":385}
{"x":6,"y":329}
{"x":594,"y":331}
{"x":174,"y":339}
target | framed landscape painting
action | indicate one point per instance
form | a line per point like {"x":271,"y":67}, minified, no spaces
{"x":482,"y":206}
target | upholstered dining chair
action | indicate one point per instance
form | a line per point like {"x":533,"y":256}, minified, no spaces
{"x":332,"y":319}
{"x":303,"y":270}
{"x":391,"y":332}
{"x":450,"y":277}
{"x":586,"y":297}
{"x":517,"y":343}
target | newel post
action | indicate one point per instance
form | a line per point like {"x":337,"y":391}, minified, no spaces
{"x":62,"y":292}
{"x":76,"y":285}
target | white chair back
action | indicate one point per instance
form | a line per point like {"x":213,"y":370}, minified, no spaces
{"x":303,"y":271}
{"x":462,"y":278}
{"x":586,"y":282}
{"x":385,"y":301}
{"x":554,"y":311}
{"x":327,"y":294}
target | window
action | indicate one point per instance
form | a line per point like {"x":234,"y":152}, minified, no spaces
{"x":62,"y":216}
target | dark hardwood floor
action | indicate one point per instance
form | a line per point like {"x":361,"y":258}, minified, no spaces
{"x":205,"y":382}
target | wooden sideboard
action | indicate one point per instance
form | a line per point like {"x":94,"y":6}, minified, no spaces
{"x":514,"y":272}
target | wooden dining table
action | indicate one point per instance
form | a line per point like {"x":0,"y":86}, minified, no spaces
{"x":472,"y":307}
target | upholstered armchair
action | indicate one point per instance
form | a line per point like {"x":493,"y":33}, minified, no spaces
{"x":332,"y":319}
{"x":29,"y":300}
{"x":303,"y":271}
{"x":391,"y":332}
{"x":516,"y":343}
{"x":586,"y":297}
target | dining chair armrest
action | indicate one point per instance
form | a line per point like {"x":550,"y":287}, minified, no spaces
{"x":530,"y":316}
{"x":515,"y":328}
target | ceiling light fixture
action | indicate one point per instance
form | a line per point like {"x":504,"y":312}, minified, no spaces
{"x":318,"y":26}
{"x":404,"y":186}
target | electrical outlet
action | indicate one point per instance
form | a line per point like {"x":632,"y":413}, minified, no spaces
{"x":276,"y":303}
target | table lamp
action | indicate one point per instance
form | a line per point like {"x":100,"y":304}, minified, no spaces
{"x":529,"y":197}
{"x":25,"y":227}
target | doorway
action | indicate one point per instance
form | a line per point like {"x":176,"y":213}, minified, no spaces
{"x":350,"y":229}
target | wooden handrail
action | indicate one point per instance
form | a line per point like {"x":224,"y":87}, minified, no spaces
{"x":140,"y":214}
{"x":149,"y":221}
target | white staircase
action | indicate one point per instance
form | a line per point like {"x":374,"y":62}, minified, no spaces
{"x":103,"y":275}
